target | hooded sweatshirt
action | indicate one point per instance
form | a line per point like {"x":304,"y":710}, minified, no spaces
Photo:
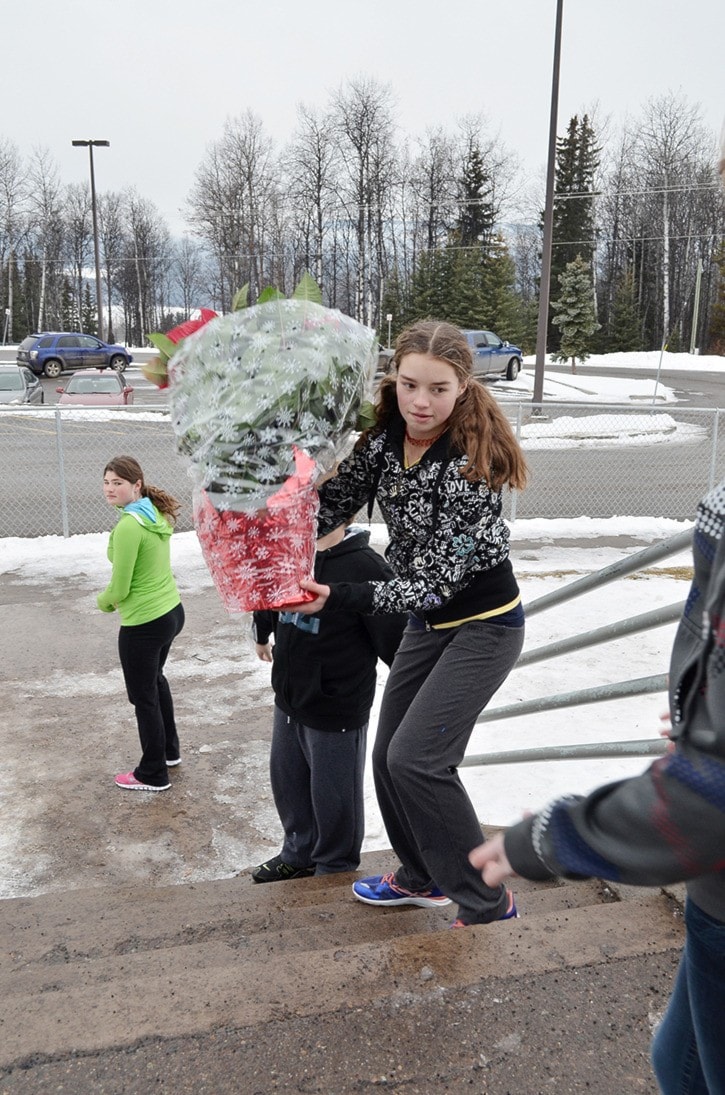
{"x":142,"y":586}
{"x":324,"y":668}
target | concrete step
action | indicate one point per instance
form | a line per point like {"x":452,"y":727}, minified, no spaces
{"x":88,"y":970}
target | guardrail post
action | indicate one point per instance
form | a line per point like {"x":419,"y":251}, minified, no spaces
{"x":61,"y":474}
{"x":713,"y":452}
{"x":515,"y":493}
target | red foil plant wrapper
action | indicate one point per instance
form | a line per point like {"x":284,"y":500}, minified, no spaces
{"x":257,"y":559}
{"x":265,"y":400}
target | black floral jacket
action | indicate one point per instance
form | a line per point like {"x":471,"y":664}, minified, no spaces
{"x":449,"y":544}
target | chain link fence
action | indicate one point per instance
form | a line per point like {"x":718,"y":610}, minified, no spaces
{"x":585,"y":460}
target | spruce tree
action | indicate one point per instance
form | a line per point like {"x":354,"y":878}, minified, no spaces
{"x":715,"y":343}
{"x":433,"y":284}
{"x":69,"y":312}
{"x":89,"y":323}
{"x":500,"y":311}
{"x":625,"y":322}
{"x":465,"y":307}
{"x":577,"y":159}
{"x":476,"y":214}
{"x":574,"y":313}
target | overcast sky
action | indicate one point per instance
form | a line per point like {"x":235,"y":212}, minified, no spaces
{"x":158,"y":79}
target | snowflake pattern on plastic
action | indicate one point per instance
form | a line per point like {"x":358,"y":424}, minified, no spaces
{"x":247,"y":390}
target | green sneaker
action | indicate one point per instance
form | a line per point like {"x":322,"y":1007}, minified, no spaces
{"x":276,"y":870}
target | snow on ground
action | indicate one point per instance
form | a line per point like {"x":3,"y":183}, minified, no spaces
{"x":546,"y":554}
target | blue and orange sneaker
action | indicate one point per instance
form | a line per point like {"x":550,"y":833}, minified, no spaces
{"x":512,"y":913}
{"x":383,"y":890}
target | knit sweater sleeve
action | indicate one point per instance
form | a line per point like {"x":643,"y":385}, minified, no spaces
{"x":666,"y":825}
{"x":124,"y":547}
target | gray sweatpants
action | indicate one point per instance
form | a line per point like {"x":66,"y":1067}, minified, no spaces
{"x":439,"y":683}
{"x":317,"y":783}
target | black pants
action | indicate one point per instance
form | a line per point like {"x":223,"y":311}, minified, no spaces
{"x":317,"y":783}
{"x":143,"y":650}
{"x":438,"y":685}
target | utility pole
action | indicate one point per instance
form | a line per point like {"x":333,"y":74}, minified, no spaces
{"x":90,"y":145}
{"x":696,"y":309}
{"x":545,"y":283}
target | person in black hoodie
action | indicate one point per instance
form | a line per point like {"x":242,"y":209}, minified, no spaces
{"x":323,"y":677}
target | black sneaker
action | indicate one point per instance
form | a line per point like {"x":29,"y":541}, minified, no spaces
{"x":276,"y":870}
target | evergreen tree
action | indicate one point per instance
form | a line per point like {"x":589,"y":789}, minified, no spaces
{"x":394,"y":304}
{"x":465,"y":305}
{"x":577,"y":159}
{"x":625,"y":324}
{"x":69,"y":312}
{"x":716,"y":328}
{"x":89,"y":322}
{"x":476,"y":216}
{"x":574,"y":313}
{"x":433,"y":286}
{"x":501,"y":302}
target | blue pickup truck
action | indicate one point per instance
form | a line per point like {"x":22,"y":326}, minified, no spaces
{"x":491,"y":355}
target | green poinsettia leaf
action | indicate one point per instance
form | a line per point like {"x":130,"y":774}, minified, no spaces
{"x":270,"y":293}
{"x":241,"y":298}
{"x":155,"y":370}
{"x":163,"y":344}
{"x":366,"y":416}
{"x":308,"y":289}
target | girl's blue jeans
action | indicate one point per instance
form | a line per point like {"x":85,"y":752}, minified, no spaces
{"x":688,"y":1051}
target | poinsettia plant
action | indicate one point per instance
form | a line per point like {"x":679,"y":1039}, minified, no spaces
{"x":157,"y":368}
{"x":256,"y":395}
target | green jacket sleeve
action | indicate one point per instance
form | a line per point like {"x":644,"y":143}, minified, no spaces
{"x":125,"y":544}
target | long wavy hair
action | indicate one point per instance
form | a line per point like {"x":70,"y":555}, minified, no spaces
{"x":128,"y":468}
{"x":477,"y":426}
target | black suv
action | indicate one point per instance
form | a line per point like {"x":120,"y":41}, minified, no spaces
{"x":53,"y":352}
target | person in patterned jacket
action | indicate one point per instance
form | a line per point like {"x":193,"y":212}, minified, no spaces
{"x":437,"y":460}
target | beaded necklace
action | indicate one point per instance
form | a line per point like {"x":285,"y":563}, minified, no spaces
{"x":422,"y":442}
{"x":418,"y":443}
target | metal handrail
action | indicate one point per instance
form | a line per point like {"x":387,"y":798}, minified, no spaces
{"x":593,"y":751}
{"x":599,"y":693}
{"x":657,"y":617}
{"x":632,"y":563}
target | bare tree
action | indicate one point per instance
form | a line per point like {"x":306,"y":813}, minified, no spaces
{"x":231,"y":203}
{"x":12,"y":196}
{"x":669,"y":151}
{"x":44,"y":211}
{"x":78,"y":238}
{"x":144,"y":271}
{"x":189,"y":274}
{"x":311,"y":164}
{"x":433,"y":184}
{"x":364,"y":123}
{"x":111,"y":230}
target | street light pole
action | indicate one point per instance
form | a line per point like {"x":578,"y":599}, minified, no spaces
{"x":90,"y":145}
{"x":545,"y":282}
